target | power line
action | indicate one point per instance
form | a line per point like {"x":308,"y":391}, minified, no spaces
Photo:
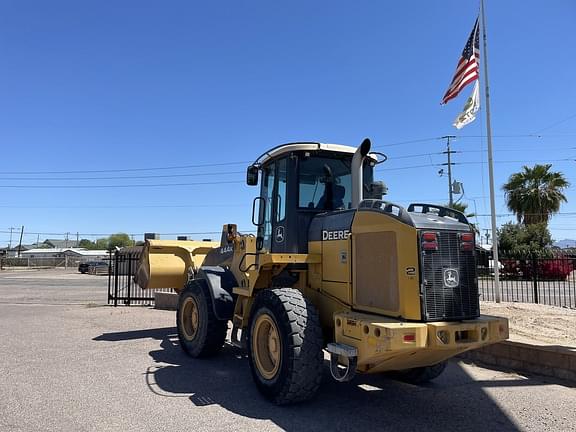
{"x":129,"y":169}
{"x":571,"y":116}
{"x":505,"y":150}
{"x":408,"y":142}
{"x":117,"y":186}
{"x":127,"y":206}
{"x":124,"y":177}
{"x":519,"y":161}
{"x":114,"y":186}
{"x":390,"y":158}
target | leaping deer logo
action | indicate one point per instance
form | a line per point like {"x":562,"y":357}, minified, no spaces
{"x":451,"y":277}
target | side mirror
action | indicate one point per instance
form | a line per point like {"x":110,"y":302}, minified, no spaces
{"x":252,"y":175}
{"x":376,"y":190}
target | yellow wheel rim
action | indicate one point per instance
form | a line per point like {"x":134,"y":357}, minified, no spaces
{"x":189,"y":318}
{"x":266,"y":346}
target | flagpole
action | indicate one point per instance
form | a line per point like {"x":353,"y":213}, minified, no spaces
{"x":490,"y":159}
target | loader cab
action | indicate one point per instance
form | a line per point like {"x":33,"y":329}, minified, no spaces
{"x":297,"y":182}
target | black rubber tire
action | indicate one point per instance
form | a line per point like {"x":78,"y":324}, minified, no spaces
{"x":422,"y":375}
{"x":211,"y":332}
{"x":301,"y":360}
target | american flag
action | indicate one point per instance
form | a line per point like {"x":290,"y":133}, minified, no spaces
{"x":468,"y":65}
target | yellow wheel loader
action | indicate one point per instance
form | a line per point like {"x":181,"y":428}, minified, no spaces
{"x":333,"y":267}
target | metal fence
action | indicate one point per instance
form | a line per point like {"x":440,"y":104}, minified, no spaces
{"x":549,"y":281}
{"x":121,"y":286}
{"x":39,"y":262}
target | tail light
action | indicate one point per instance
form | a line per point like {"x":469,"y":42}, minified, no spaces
{"x":429,"y":241}
{"x":467,"y":241}
{"x":410,"y":337}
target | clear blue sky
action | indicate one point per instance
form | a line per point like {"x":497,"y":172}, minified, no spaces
{"x":95,"y":85}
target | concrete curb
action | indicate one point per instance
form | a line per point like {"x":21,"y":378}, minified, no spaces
{"x":165,"y":300}
{"x":552,"y":361}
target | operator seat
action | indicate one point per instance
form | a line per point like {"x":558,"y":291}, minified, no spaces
{"x":337,"y":201}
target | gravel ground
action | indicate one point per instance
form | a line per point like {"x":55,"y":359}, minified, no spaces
{"x":69,"y":364}
{"x":536,"y":324}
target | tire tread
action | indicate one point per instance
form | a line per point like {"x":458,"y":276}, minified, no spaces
{"x":305,"y":358}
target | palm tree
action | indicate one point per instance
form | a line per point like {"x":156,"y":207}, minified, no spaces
{"x":461,"y":207}
{"x":535,"y":194}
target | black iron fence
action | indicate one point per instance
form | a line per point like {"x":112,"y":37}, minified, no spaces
{"x":550,"y":280}
{"x":121,"y":286}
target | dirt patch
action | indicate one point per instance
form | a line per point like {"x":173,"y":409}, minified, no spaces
{"x":536,"y":324}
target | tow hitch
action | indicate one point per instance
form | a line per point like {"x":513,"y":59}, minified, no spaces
{"x":337,"y":350}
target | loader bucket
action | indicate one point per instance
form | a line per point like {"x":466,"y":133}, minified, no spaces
{"x":165,"y":263}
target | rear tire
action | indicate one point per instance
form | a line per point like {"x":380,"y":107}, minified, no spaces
{"x":285,"y":346}
{"x":200,"y":333}
{"x":422,"y":375}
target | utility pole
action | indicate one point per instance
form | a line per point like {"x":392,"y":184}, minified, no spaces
{"x":10,"y":243}
{"x":449,"y":163}
{"x":77,"y":239}
{"x":20,"y":244}
{"x":487,"y":235}
{"x":67,"y":234}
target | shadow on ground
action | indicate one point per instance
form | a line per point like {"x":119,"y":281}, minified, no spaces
{"x":454,"y":402}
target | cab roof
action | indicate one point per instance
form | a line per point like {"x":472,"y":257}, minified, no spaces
{"x":277,"y":151}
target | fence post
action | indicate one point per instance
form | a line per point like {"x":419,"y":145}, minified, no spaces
{"x":129,"y":277}
{"x":115,"y":279}
{"x":535,"y":278}
{"x":109,"y":276}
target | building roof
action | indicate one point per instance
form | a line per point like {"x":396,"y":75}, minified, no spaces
{"x":22,"y":248}
{"x":59,"y":243}
{"x":92,"y":252}
{"x":77,"y":251}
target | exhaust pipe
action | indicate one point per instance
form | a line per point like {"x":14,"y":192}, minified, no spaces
{"x":357,"y":177}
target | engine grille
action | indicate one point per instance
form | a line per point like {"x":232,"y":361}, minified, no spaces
{"x":450,"y":287}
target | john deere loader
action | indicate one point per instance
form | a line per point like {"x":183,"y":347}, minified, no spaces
{"x":333,"y":267}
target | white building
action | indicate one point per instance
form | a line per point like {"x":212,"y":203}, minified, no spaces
{"x":79,"y":254}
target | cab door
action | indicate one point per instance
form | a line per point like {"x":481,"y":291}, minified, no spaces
{"x":273,"y":206}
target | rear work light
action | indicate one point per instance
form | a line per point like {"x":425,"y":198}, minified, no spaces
{"x":429,"y":241}
{"x":467,"y":241}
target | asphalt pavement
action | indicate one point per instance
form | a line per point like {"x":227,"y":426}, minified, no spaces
{"x":71,"y":363}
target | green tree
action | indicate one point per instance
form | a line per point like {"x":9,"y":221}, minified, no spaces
{"x":535,"y":194}
{"x":87,"y":244}
{"x":119,"y":240}
{"x":102,"y":243}
{"x":461,"y":207}
{"x":519,"y":239}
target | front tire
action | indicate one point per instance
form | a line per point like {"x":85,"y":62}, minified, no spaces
{"x":285,"y":346}
{"x":200,"y":333}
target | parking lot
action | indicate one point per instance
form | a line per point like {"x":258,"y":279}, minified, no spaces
{"x":69,"y":362}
